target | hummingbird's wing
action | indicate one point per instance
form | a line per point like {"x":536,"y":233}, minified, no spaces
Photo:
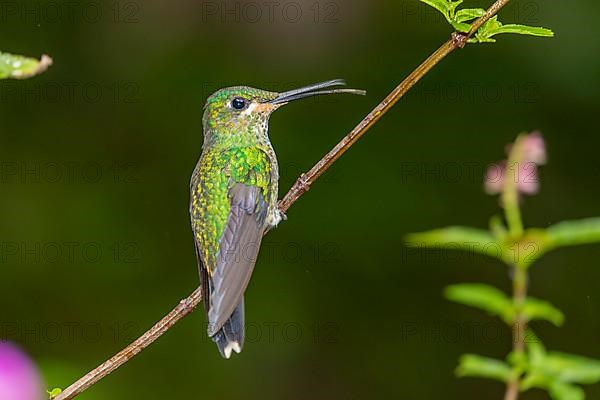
{"x":238,"y":250}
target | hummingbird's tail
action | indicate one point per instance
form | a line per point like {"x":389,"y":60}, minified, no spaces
{"x":231,"y":336}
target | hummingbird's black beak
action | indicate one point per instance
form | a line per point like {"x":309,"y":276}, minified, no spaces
{"x":318,"y":89}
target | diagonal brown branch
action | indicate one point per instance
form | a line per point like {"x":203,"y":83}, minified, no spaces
{"x":186,"y":306}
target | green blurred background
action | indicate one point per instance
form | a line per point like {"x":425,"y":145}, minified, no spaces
{"x":96,"y":155}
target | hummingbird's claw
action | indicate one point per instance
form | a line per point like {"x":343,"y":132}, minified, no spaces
{"x":278,"y":216}
{"x":282,"y":215}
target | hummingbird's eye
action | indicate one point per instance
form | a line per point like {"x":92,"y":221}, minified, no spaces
{"x":239,"y":103}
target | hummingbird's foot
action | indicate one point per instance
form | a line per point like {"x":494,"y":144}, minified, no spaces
{"x":282,"y":215}
{"x":278,"y":216}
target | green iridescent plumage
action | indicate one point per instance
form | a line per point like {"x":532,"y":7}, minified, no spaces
{"x":234,"y":199}
{"x":217,"y":171}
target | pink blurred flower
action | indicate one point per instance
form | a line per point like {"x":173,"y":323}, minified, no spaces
{"x":527,"y":178}
{"x":494,"y":179}
{"x":19,"y":378}
{"x":533,"y":150}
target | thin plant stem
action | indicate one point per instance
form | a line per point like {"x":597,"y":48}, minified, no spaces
{"x":186,"y":306}
{"x":519,"y":296}
{"x":510,"y":194}
{"x":519,"y":326}
{"x":512,"y":210}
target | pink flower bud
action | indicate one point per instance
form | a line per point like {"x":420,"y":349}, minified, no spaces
{"x":526,"y":178}
{"x":534,"y":149}
{"x":19,"y":378}
{"x":525,"y":172}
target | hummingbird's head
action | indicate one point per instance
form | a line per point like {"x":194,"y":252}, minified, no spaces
{"x":241,"y":109}
{"x":235,"y":108}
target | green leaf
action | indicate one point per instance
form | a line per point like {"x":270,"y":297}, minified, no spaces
{"x":495,"y":302}
{"x":483,"y":367}
{"x":539,"y":309}
{"x":468,"y":14}
{"x":459,"y":18}
{"x":518,"y":360}
{"x":533,"y":380}
{"x":498,"y":228}
{"x":534,"y":360}
{"x":484,"y":297}
{"x":461,"y":26}
{"x":443,"y":6}
{"x":54,"y":392}
{"x":494,"y":27}
{"x":571,"y":368}
{"x":557,"y":372}
{"x":564,"y":391}
{"x":482,"y":34}
{"x":19,"y":67}
{"x":522,"y":30}
{"x":464,"y":15}
{"x":572,"y":233}
{"x":535,"y":348}
{"x":452,"y":7}
{"x":457,"y":238}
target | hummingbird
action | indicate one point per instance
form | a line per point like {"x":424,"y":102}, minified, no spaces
{"x":233,"y":198}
